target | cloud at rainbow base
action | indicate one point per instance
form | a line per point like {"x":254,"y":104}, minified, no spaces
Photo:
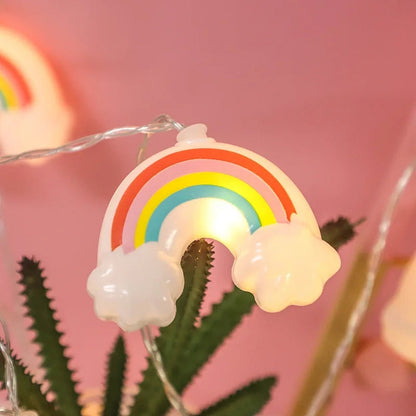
{"x":33,"y":113}
{"x":284,"y":264}
{"x":138,"y":288}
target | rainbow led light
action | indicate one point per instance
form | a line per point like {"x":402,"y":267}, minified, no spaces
{"x":204,"y":189}
{"x":32,"y":111}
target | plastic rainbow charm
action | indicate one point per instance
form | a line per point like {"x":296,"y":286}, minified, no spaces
{"x":32,"y":110}
{"x":204,"y":189}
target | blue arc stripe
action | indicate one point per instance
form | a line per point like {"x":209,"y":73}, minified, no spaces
{"x":196,"y":192}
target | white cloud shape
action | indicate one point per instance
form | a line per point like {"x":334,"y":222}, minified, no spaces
{"x":284,"y":264}
{"x":138,"y":288}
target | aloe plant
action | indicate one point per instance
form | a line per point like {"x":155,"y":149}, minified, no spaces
{"x":115,"y":378}
{"x":186,"y":345}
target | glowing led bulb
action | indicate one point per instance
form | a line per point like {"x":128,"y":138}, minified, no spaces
{"x":204,"y":189}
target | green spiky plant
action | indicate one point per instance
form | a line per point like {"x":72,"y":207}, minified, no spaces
{"x":183,"y":338}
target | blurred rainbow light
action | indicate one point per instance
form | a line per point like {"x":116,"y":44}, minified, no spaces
{"x":33,"y":113}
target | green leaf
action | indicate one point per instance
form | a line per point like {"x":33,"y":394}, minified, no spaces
{"x":225,"y":317}
{"x":115,"y":378}
{"x":214,"y":329}
{"x":196,"y":263}
{"x":151,"y":399}
{"x":247,"y":401}
{"x":340,"y":231}
{"x":28,"y":391}
{"x":48,"y":337}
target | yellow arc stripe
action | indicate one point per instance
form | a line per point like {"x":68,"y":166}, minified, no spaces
{"x":258,"y":203}
{"x":8,"y":93}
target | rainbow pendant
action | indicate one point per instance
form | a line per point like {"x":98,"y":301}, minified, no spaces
{"x":33,"y":113}
{"x":204,"y":189}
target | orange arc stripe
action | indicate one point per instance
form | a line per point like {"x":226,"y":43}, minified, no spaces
{"x":181,"y":156}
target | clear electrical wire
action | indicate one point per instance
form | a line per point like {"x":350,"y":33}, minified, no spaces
{"x":9,"y":374}
{"x":148,"y":338}
{"x":154,"y":353}
{"x":363,"y":302}
{"x":162,"y":123}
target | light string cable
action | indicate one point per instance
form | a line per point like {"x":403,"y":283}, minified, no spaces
{"x":162,"y":123}
{"x":14,"y":311}
{"x":156,"y":357}
{"x":9,"y":374}
{"x":148,"y":338}
{"x":363,"y":302}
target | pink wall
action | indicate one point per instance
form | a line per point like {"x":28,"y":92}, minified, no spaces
{"x":322,"y":88}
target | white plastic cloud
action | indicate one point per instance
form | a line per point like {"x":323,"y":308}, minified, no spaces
{"x":284,"y":264}
{"x":136,"y":289}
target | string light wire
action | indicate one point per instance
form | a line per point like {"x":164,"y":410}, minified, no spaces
{"x":162,"y":123}
{"x":156,"y":357}
{"x":9,"y":373}
{"x":363,"y":302}
{"x":147,"y":335}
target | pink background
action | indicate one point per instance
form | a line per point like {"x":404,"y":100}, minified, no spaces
{"x":322,"y":88}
